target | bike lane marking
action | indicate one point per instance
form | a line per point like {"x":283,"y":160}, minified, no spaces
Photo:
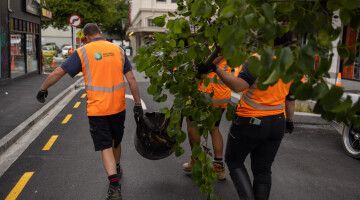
{"x":67,"y":118}
{"x":50,"y":142}
{"x":19,"y":186}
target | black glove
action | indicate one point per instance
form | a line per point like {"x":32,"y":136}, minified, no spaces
{"x":42,"y":94}
{"x":289,"y":126}
{"x":138,"y":111}
{"x":205,"y":69}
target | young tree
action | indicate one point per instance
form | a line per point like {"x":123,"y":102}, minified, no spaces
{"x":238,"y":28}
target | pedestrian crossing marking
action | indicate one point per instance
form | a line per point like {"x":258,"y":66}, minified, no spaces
{"x":67,"y":118}
{"x":19,"y":186}
{"x":83,"y":96}
{"x":77,"y":104}
{"x":50,"y":143}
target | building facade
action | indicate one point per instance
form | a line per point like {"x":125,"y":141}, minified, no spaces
{"x":60,"y":37}
{"x":142,"y":14}
{"x":20,"y":37}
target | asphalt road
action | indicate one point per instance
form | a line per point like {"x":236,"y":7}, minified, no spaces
{"x":311,"y":163}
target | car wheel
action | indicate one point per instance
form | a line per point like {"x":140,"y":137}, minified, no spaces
{"x":351,"y":141}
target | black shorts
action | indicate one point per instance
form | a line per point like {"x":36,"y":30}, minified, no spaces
{"x":216,"y":123}
{"x":106,"y":129}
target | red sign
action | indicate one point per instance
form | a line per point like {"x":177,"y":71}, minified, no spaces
{"x":75,"y":20}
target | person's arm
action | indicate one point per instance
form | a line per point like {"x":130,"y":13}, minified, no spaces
{"x":234,"y":83}
{"x":289,"y":109}
{"x":133,"y":86}
{"x":54,"y":77}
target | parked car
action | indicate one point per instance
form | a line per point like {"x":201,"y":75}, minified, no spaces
{"x":65,"y":51}
{"x":350,"y":134}
{"x":57,"y":48}
{"x":49,"y":51}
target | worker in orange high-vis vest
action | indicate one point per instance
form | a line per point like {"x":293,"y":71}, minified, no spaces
{"x":220,"y":99}
{"x":104,"y":66}
{"x":70,"y":51}
{"x":258,"y":128}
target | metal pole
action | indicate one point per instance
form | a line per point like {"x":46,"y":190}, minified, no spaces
{"x":74,"y":38}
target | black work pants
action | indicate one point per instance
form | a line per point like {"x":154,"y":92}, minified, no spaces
{"x":260,"y":141}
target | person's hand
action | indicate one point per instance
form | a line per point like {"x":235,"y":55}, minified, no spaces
{"x":289,"y":126}
{"x":42,"y":94}
{"x":205,"y":69}
{"x":138,"y":110}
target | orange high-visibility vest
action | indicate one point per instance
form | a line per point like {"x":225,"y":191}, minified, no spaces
{"x":256,"y":103}
{"x":102,"y":67}
{"x":222,"y":94}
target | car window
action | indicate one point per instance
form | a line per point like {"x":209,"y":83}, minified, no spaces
{"x":46,"y":48}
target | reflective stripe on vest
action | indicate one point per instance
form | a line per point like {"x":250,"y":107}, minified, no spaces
{"x":247,"y":98}
{"x":89,"y":86}
{"x":220,"y":101}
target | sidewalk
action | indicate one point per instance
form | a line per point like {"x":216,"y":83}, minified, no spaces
{"x":18,"y":103}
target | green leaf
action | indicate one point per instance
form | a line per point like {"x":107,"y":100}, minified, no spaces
{"x":230,"y":112}
{"x":175,"y":117}
{"x":171,"y":14}
{"x":180,"y":137}
{"x":323,"y":38}
{"x":204,"y":115}
{"x":319,"y":91}
{"x":179,"y":104}
{"x":210,"y":31}
{"x":181,"y":44}
{"x":343,"y":51}
{"x":323,"y":67}
{"x":343,"y":106}
{"x":254,"y":66}
{"x":332,"y":96}
{"x":196,"y":150}
{"x":273,"y":78}
{"x":193,"y":124}
{"x":160,"y":21}
{"x":285,"y":59}
{"x":267,"y":58}
{"x":164,"y":110}
{"x":152,"y":89}
{"x":306,"y":59}
{"x":251,"y":20}
{"x":345,"y":16}
{"x":303,"y":92}
{"x":333,"y":4}
{"x":352,"y":4}
{"x":201,"y":8}
{"x":206,"y":82}
{"x":268,"y":12}
{"x":351,"y":59}
{"x":172,"y":43}
{"x":227,"y":12}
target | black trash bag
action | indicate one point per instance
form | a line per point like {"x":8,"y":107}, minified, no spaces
{"x":151,"y":140}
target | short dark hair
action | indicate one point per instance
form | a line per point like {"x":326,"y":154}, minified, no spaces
{"x":91,"y":29}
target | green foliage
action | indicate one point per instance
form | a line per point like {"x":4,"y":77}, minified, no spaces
{"x":90,"y":11}
{"x":238,"y":29}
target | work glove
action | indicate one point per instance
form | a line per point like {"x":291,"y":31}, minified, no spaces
{"x":289,"y":126}
{"x":138,"y":111}
{"x":42,"y":94}
{"x":205,"y":69}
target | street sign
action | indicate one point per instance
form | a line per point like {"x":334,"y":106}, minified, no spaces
{"x":80,"y":34}
{"x":75,"y":20}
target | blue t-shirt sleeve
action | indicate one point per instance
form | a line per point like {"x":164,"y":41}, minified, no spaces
{"x":127,"y":65}
{"x":72,"y":64}
{"x":245,"y":74}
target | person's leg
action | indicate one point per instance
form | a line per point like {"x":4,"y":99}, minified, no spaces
{"x":217,"y":143}
{"x":263,"y":157}
{"x":117,"y":130}
{"x":109,"y":161}
{"x":193,"y":139}
{"x":242,"y":139}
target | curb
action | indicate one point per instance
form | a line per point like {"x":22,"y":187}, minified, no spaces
{"x":21,"y":129}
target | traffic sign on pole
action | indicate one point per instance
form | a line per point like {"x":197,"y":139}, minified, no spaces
{"x":80,"y":34}
{"x":75,"y":20}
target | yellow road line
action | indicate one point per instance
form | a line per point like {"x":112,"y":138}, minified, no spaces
{"x":50,"y":143}
{"x":19,"y":186}
{"x":67,"y":118}
{"x":83,"y":96}
{"x":77,"y":104}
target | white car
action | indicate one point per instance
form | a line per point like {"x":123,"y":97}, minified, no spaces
{"x":65,"y":51}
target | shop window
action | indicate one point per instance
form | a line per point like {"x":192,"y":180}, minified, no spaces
{"x":173,"y":1}
{"x":12,"y":24}
{"x":31,"y":52}
{"x":161,"y":0}
{"x":17,"y":55}
{"x":151,"y":22}
{"x":352,"y":37}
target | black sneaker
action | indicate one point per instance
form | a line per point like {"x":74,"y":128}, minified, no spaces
{"x":119,"y":172}
{"x":114,"y":193}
